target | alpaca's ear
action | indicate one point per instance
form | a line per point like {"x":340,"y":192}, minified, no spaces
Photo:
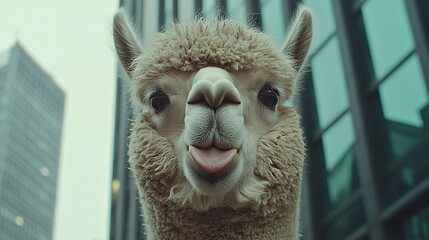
{"x":299,"y":37}
{"x":126,"y":41}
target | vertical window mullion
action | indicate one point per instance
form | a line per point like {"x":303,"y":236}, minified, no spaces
{"x":175,"y":10}
{"x":314,"y":185}
{"x":198,"y":7}
{"x":161,"y":15}
{"x":366,"y":110}
{"x":417,"y":12}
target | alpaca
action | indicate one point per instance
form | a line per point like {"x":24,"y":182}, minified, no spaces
{"x":214,"y":151}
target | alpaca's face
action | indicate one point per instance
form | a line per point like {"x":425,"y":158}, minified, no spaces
{"x":214,"y":133}
{"x":213,"y":91}
{"x":214,"y":119}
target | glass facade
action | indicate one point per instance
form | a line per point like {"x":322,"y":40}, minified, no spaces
{"x":367,"y":81}
{"x":323,"y":20}
{"x":389,"y":34}
{"x":403,"y":97}
{"x":342,"y":225}
{"x":340,"y":160}
{"x":126,"y":222}
{"x":31,"y":115}
{"x":209,"y":9}
{"x":273,"y":20}
{"x":365,"y":110}
{"x":417,"y":227}
{"x":237,"y":10}
{"x":329,"y":82}
{"x":169,"y":13}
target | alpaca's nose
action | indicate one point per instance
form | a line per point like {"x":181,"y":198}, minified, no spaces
{"x":213,"y":86}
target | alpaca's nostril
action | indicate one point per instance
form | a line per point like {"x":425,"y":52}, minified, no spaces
{"x":214,"y":93}
{"x":214,"y":102}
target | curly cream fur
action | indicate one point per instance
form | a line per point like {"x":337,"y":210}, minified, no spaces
{"x":273,"y":216}
{"x":225,"y":43}
{"x":264,"y":202}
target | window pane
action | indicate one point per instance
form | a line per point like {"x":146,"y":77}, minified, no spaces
{"x":329,"y":83}
{"x":323,"y":21}
{"x":209,"y":9}
{"x":349,"y":221}
{"x":389,"y":33}
{"x":237,"y":10}
{"x":343,"y":180}
{"x":405,"y":106}
{"x":168,"y":11}
{"x":403,"y":97}
{"x":417,"y":228}
{"x":338,"y":140}
{"x":340,"y":160}
{"x":186,"y":10}
{"x":406,"y":174}
{"x":273,"y":21}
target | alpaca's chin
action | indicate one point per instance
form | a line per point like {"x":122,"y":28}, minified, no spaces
{"x":214,"y":184}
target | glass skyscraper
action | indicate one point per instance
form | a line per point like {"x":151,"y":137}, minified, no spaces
{"x":31,"y":118}
{"x":365,"y":107}
{"x":366,"y":110}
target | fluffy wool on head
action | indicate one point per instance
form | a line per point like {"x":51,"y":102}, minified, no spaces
{"x":260,"y":197}
{"x":224,"y":43}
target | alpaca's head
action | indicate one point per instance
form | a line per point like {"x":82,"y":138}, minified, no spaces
{"x":211,"y":91}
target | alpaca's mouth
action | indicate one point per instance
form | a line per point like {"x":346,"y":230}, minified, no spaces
{"x":212,"y":160}
{"x":212,"y":164}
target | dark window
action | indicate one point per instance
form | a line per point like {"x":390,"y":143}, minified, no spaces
{"x":417,"y":228}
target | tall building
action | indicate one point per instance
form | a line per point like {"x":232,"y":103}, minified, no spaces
{"x":364,"y":102}
{"x":126,"y":221}
{"x":365,"y":108}
{"x":31,"y":118}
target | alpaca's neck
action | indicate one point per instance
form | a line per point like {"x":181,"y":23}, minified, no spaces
{"x":163,"y":222}
{"x":280,"y":157}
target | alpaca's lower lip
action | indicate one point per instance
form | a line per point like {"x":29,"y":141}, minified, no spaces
{"x":212,"y":159}
{"x":215,"y":176}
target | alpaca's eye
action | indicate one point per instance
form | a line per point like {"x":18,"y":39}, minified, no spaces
{"x":159,"y":100}
{"x":268,"y":96}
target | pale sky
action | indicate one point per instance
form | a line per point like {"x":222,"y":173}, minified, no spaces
{"x":71,"y":41}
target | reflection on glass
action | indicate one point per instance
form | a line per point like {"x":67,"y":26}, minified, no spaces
{"x":273,"y":21}
{"x":349,"y":221}
{"x":417,"y":228}
{"x":405,"y":106}
{"x":340,"y":160}
{"x":329,"y":83}
{"x":323,"y":21}
{"x":406,"y":174}
{"x":343,"y":181}
{"x":389,"y":33}
{"x":337,"y":140}
{"x":237,"y":10}
{"x":403,"y":97}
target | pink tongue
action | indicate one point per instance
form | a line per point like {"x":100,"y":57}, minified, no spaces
{"x":211,"y":159}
